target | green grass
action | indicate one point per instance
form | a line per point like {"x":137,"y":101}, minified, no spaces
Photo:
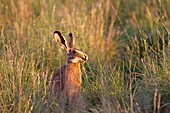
{"x":127,"y":43}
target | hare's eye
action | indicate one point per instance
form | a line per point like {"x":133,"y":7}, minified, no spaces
{"x":74,"y":52}
{"x":70,"y":51}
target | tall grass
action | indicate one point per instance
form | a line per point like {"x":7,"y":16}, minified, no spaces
{"x":127,"y":43}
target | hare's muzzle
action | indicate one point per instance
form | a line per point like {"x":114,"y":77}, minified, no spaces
{"x":84,"y":58}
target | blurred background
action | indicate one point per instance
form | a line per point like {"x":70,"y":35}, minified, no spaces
{"x":127,"y":43}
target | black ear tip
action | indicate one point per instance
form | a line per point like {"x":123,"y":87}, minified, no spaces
{"x":70,"y":34}
{"x":57,"y":32}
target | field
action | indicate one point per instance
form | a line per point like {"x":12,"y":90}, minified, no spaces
{"x":127,"y":41}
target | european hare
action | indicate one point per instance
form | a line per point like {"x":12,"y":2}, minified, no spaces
{"x":68,"y":78}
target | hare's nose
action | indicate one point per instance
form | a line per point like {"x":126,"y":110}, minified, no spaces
{"x":85,"y":57}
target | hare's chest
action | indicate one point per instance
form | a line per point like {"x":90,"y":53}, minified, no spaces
{"x":73,"y":79}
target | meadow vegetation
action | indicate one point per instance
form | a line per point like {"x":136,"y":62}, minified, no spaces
{"x":127,"y":42}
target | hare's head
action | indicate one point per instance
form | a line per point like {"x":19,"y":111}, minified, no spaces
{"x":74,"y":55}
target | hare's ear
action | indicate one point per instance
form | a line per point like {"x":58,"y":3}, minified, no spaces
{"x":60,"y":40}
{"x":71,"y":43}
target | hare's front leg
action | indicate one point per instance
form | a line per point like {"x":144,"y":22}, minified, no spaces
{"x":74,"y":99}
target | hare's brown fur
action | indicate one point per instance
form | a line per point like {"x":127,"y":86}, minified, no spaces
{"x":68,"y":78}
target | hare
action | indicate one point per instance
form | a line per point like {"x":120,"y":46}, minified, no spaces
{"x":68,"y":78}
